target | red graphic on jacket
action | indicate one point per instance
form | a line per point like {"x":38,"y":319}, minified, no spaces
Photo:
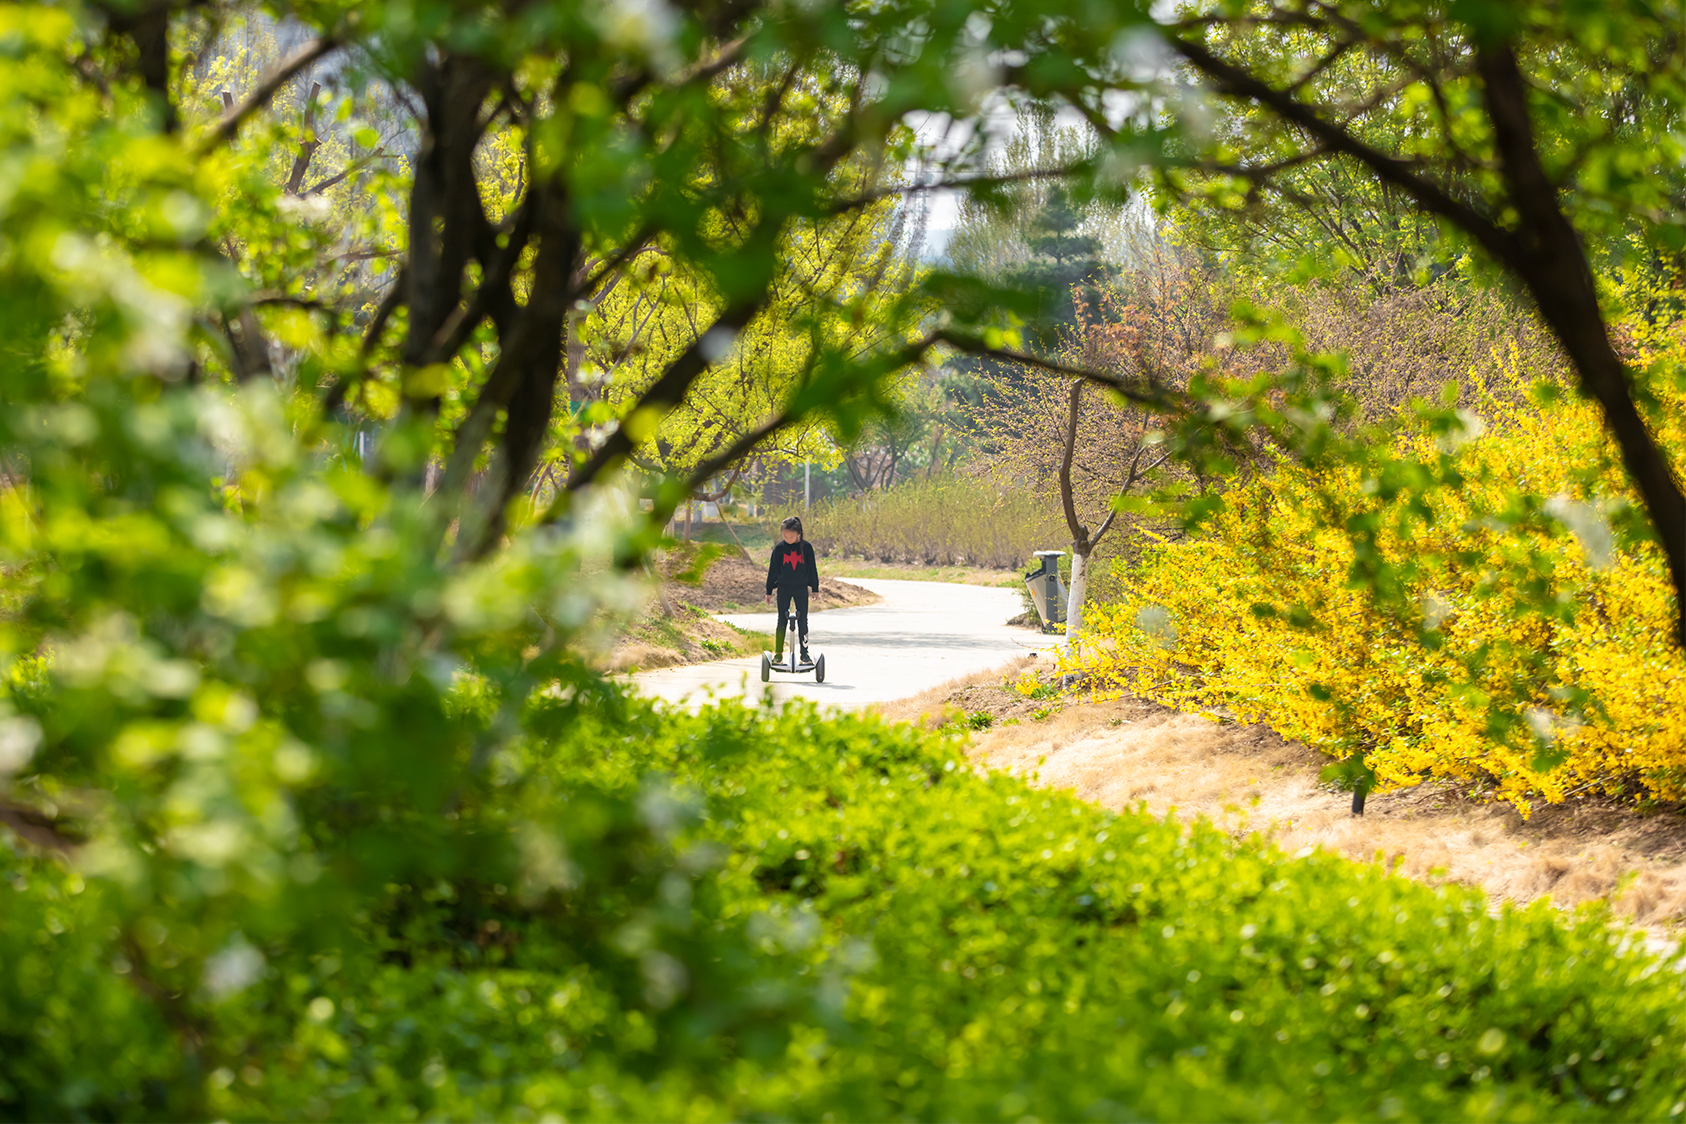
{"x":790,"y":567}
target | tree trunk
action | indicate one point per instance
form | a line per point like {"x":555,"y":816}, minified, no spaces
{"x":657,"y":569}
{"x":307,"y":147}
{"x":1075,"y":596}
{"x":862,"y":480}
{"x":1543,"y":251}
{"x":1550,"y":259}
{"x":1080,"y":541}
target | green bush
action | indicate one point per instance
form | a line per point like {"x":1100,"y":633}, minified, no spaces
{"x":314,"y":809}
{"x":763,"y":914}
{"x":963,"y":519}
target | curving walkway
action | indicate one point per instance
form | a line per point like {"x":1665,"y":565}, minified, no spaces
{"x":922,"y":634}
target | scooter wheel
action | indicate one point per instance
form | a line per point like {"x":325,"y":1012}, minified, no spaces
{"x":766,"y":668}
{"x":819,"y":669}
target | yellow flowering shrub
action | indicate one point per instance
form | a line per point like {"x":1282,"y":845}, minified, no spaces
{"x":1511,"y":623}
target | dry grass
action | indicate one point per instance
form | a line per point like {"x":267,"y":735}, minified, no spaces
{"x":965,"y":519}
{"x":915,"y":571}
{"x":984,"y":690}
{"x":652,"y":640}
{"x":1129,"y":753}
{"x":684,"y":631}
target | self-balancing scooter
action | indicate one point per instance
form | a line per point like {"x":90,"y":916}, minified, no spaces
{"x":793,"y":667}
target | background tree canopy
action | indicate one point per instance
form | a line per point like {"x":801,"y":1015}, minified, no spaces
{"x":339,"y":341}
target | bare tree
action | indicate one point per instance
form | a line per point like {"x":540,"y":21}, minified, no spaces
{"x":1143,"y":461}
{"x":1156,"y":325}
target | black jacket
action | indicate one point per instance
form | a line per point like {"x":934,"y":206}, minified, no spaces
{"x":792,"y":566}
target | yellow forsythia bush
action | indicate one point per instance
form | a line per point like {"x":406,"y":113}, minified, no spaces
{"x":1573,"y":633}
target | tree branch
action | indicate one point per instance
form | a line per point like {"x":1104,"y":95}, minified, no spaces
{"x":36,"y":829}
{"x":389,"y":304}
{"x":455,"y":331}
{"x":635,"y":245}
{"x":300,"y":59}
{"x":667,"y":392}
{"x":266,"y":296}
{"x":307,"y":147}
{"x":737,"y":450}
{"x":1144,"y":393}
{"x":1130,"y":482}
{"x":350,"y":170}
{"x":1236,"y":82}
{"x":1551,"y":261}
{"x":1322,"y":64}
{"x":868,"y":197}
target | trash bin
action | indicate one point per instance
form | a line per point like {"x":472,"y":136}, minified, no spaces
{"x":1047,"y":591}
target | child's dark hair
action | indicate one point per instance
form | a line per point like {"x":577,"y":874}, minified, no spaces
{"x":793,"y":523}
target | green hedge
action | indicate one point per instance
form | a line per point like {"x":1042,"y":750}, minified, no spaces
{"x":767,"y":914}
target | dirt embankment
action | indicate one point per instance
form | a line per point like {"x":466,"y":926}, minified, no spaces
{"x":678,"y":625}
{"x":736,"y":584}
{"x":686,"y":636}
{"x":1130,"y":752}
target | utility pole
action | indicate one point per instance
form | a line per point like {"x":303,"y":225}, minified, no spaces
{"x":806,"y":466}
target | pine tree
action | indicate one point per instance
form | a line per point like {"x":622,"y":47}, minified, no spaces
{"x":1062,"y":261}
{"x":1053,"y":232}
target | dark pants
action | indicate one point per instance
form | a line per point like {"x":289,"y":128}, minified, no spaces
{"x":786,"y":597}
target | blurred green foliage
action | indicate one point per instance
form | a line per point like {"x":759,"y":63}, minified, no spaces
{"x":313,"y":808}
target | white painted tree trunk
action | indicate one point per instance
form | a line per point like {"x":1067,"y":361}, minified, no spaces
{"x":1074,"y":599}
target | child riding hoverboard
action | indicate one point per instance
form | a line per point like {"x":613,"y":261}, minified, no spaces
{"x":792,"y":572}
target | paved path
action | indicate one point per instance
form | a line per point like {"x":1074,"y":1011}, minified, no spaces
{"x":920,"y":635}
